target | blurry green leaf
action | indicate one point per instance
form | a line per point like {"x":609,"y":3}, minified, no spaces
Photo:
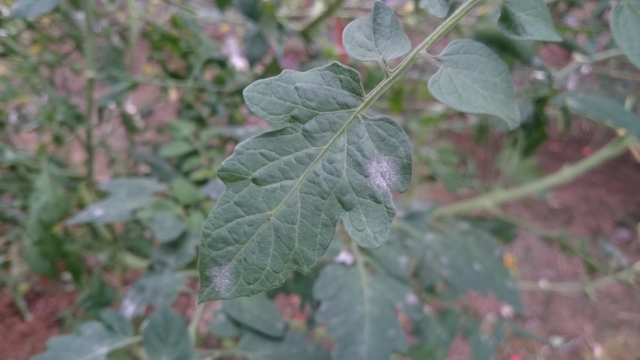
{"x":287,"y":189}
{"x":160,"y":168}
{"x":503,"y":230}
{"x":294,"y":346}
{"x":436,"y":332}
{"x":603,"y":110}
{"x":176,"y":148}
{"x":125,"y":196}
{"x":153,"y":288}
{"x":195,"y":221}
{"x":166,"y":337}
{"x":92,"y":341}
{"x":116,"y":92}
{"x":473,"y":79}
{"x":256,"y":46}
{"x":437,"y":8}
{"x":258,"y":313}
{"x":31,"y":9}
{"x":176,"y":254}
{"x":181,"y":129}
{"x":241,"y":133}
{"x":223,"y":4}
{"x":250,"y":8}
{"x":223,"y":326}
{"x":115,"y":322}
{"x":167,"y":227}
{"x":625,"y":26}
{"x":48,"y":204}
{"x":483,"y":346}
{"x":98,"y":294}
{"x":527,"y":20}
{"x":214,"y":188}
{"x":377,"y":36}
{"x":185,"y":192}
{"x":358,"y":308}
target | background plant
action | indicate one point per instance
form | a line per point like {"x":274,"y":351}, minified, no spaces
{"x":72,"y":67}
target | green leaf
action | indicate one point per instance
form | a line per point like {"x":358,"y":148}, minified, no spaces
{"x":358,"y":308}
{"x":256,"y":46}
{"x":437,"y":8}
{"x":176,"y":148}
{"x":437,"y":332}
{"x":181,"y":129}
{"x":176,"y":254}
{"x":167,"y":227}
{"x":465,"y":256}
{"x":287,"y":189}
{"x":527,"y":20}
{"x":161,"y":169}
{"x":482,"y":345}
{"x":92,"y":341}
{"x":115,"y":322}
{"x":625,"y":26}
{"x":258,"y":313}
{"x":603,"y":110}
{"x":473,"y":79}
{"x":125,"y":196}
{"x":153,"y":288}
{"x":31,"y":9}
{"x":98,"y":294}
{"x":294,"y":346}
{"x":186,"y":193}
{"x":377,"y":36}
{"x":166,"y":337}
{"x":222,"y":326}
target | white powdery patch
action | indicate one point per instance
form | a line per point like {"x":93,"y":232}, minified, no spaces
{"x":382,"y":173}
{"x":221,"y":278}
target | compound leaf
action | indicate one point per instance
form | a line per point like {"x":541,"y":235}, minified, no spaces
{"x":31,"y":9}
{"x":473,"y":79}
{"x":125,"y":195}
{"x":377,"y":36}
{"x":294,"y":346}
{"x":603,"y":110}
{"x":527,"y":20}
{"x":625,"y":26}
{"x":358,"y":308}
{"x":287,"y":189}
{"x":166,"y":337}
{"x":92,"y":341}
{"x":437,"y":8}
{"x":258,"y":313}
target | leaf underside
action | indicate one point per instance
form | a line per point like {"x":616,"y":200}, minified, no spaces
{"x":437,"y":8}
{"x":287,"y":189}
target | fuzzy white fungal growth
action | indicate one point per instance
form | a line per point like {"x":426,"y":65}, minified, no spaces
{"x":382,"y":173}
{"x":221,"y":278}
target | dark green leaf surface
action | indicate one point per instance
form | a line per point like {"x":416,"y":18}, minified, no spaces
{"x":527,"y":20}
{"x":603,"y":110}
{"x":31,"y":9}
{"x":287,"y":189}
{"x":92,"y":341}
{"x":125,"y":195}
{"x":177,"y":253}
{"x":625,"y":26}
{"x":437,"y":8}
{"x":377,"y":36}
{"x":294,"y":346}
{"x":473,"y":79}
{"x":258,"y":313}
{"x":358,"y":308}
{"x":154,"y":288}
{"x":222,"y":326}
{"x":166,"y":337}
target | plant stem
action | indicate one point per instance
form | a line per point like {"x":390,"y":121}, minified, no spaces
{"x":134,"y":23}
{"x":193,"y":325}
{"x":562,"y":176}
{"x":580,"y":60}
{"x":90,"y":75}
{"x":326,"y":12}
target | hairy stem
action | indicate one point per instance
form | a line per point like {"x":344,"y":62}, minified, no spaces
{"x":560,"y":177}
{"x":193,"y":325}
{"x":90,"y":75}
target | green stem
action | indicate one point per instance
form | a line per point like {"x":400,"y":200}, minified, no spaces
{"x":90,"y":75}
{"x":326,"y":12}
{"x":560,"y":177}
{"x":134,"y":23}
{"x":193,"y":325}
{"x":582,"y":60}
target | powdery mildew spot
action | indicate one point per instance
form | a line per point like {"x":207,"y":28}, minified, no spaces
{"x":221,"y":278}
{"x":382,"y":173}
